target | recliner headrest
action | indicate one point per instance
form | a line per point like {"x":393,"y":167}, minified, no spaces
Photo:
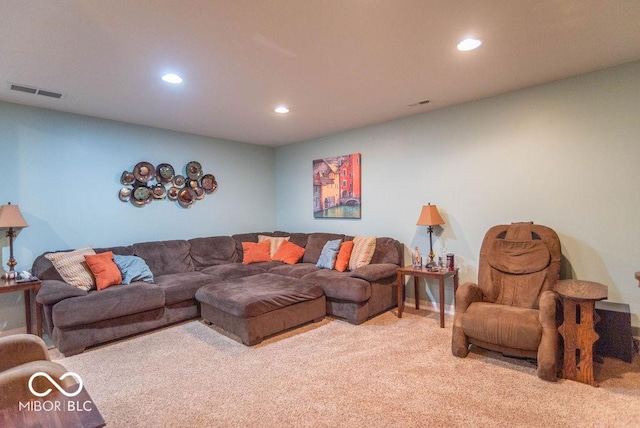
{"x":517,"y":251}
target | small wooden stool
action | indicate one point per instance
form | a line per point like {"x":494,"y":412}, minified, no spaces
{"x":578,"y":327}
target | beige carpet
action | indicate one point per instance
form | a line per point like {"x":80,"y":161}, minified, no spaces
{"x":386,"y":372}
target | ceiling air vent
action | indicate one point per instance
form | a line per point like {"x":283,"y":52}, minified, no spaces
{"x":34,"y":91}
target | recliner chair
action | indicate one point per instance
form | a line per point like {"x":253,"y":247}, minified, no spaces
{"x":22,"y":355}
{"x":512,"y":309}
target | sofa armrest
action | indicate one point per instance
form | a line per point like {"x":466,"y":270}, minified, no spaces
{"x":467,"y":294}
{"x":375,"y":272}
{"x":52,"y":291}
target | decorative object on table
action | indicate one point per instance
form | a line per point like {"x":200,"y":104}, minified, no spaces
{"x":429,"y":216}
{"x":336,"y":187}
{"x":146,"y":183}
{"x":417,"y":259}
{"x":11,"y":218}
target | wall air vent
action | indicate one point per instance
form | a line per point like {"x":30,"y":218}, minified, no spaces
{"x":34,"y":91}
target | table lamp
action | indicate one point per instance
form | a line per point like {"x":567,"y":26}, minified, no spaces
{"x":430,"y":217}
{"x":11,"y":218}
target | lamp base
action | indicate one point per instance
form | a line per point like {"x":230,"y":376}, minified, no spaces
{"x":12,"y":274}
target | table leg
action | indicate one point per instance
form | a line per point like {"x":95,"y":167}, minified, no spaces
{"x":455,"y":287}
{"x":27,"y":309}
{"x":400,"y":281}
{"x":415,"y":291}
{"x":441,"y":292}
{"x":579,"y":335}
{"x":38,"y":319}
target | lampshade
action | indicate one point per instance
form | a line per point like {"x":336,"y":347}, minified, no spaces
{"x":429,"y":216}
{"x":11,"y":217}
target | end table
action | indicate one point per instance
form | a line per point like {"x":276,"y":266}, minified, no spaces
{"x":440,"y":275}
{"x":578,"y":327}
{"x":30,"y":289}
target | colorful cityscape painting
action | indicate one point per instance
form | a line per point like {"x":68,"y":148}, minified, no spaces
{"x":336,"y":187}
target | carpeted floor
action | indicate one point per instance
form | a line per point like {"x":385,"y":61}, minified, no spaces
{"x":386,"y":372}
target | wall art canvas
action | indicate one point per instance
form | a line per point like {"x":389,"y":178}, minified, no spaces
{"x":336,"y":187}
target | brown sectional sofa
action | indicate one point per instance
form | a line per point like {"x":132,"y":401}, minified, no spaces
{"x":77,"y":319}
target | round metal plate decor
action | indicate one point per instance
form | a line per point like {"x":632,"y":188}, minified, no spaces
{"x":179,"y":180}
{"x":172,"y":193}
{"x":159,"y":191}
{"x":199,"y":192}
{"x":144,"y":172}
{"x":165,"y":172}
{"x":124,"y":194}
{"x":127,"y":178}
{"x":209,"y":183}
{"x":186,"y":197}
{"x":194,"y":170}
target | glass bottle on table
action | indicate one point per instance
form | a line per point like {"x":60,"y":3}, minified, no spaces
{"x":417,"y":259}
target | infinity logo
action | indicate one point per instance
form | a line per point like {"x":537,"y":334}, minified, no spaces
{"x":54,"y":383}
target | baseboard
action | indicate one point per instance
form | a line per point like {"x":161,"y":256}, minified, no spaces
{"x":428,"y":304}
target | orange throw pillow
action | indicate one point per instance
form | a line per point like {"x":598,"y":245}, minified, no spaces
{"x":289,"y":253}
{"x":104,"y":269}
{"x":256,"y":252}
{"x":343,"y":256}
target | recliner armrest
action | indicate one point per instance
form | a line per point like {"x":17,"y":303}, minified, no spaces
{"x":467,"y":294}
{"x":52,"y":291}
{"x":547,"y":307}
{"x":18,"y":349}
{"x":375,"y":272}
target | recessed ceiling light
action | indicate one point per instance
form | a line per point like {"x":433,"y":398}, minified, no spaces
{"x":172,"y":78}
{"x":281,"y":109}
{"x":469,"y":44}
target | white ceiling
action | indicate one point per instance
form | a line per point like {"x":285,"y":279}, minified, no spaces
{"x":338,"y":64}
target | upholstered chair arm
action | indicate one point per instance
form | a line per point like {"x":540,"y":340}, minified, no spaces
{"x":18,"y":349}
{"x":548,"y":350}
{"x":467,"y":294}
{"x":52,"y":291}
{"x":14,"y":383}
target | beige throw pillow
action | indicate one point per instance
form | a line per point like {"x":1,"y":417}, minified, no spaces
{"x":73,"y":268}
{"x":363,"y":249}
{"x":275,"y":242}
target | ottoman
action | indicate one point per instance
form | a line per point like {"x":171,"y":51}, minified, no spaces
{"x":258,"y":306}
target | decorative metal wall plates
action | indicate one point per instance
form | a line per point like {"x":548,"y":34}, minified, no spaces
{"x":184,"y":189}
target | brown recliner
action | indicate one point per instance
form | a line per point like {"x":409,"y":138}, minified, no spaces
{"x":21,"y":356}
{"x":512,"y":309}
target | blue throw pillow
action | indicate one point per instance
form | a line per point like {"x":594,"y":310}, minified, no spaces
{"x":329,"y":254}
{"x":133,"y":268}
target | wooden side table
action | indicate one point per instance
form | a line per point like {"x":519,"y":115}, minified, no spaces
{"x":578,"y":327}
{"x":424,"y":273}
{"x":30,"y":288}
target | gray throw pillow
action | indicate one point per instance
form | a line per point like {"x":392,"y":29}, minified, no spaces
{"x":329,"y":254}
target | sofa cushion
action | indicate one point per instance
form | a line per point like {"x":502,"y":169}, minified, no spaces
{"x":275,"y":242}
{"x":73,"y":268}
{"x":112,"y":302}
{"x":288,"y":253}
{"x":340,"y":286}
{"x":133,"y":268}
{"x":164,"y":257}
{"x":213,"y":250}
{"x":344,"y":255}
{"x":253,"y":296}
{"x":179,"y":287}
{"x":256,"y":252}
{"x":315,"y":244}
{"x":388,"y":250}
{"x":362,"y":253}
{"x":327,"y":259}
{"x":297,"y":270}
{"x":104,"y":269}
{"x":232,"y":270}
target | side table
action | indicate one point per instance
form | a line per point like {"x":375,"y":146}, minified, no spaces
{"x":30,"y":288}
{"x":578,"y":327}
{"x":424,"y":273}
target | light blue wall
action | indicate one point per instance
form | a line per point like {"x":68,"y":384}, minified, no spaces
{"x":63,"y":171}
{"x":564,"y":154}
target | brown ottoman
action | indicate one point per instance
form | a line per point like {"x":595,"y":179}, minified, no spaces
{"x":258,"y":306}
